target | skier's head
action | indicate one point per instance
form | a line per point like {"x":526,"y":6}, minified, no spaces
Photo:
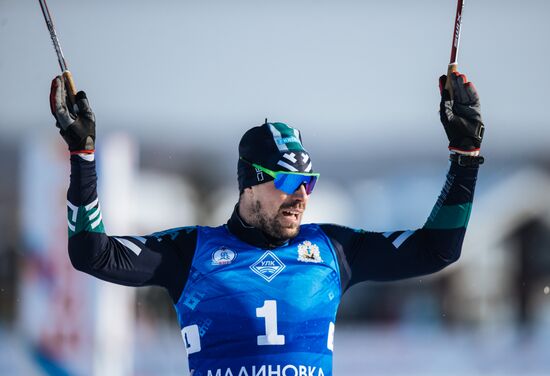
{"x":275,"y":147}
{"x":275,"y":179}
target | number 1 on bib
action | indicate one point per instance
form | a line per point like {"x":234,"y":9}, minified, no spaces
{"x":269,"y":312}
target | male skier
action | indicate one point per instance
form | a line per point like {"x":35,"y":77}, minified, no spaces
{"x":259,"y":295}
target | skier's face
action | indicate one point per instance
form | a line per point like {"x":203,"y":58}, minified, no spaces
{"x":274,"y":212}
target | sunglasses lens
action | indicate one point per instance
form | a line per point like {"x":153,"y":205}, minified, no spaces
{"x":311,"y":184}
{"x":289,"y":183}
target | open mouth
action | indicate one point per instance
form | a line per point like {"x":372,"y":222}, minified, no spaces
{"x":289,"y":213}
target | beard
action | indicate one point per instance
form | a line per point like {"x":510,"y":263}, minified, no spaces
{"x":273,"y":226}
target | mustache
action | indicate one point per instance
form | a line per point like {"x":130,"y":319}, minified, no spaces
{"x":299,"y":205}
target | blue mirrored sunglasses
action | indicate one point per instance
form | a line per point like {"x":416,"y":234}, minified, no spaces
{"x":288,"y":181}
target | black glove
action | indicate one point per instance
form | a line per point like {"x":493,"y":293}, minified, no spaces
{"x":461,"y":116}
{"x":76,"y":125}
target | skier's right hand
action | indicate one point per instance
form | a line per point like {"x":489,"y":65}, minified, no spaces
{"x":76,"y":125}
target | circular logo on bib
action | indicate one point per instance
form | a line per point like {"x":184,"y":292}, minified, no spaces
{"x":223,"y":256}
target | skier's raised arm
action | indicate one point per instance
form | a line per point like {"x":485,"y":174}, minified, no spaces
{"x":160,"y":259}
{"x":398,"y":254}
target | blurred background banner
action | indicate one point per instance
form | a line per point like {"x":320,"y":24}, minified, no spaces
{"x":69,"y":322}
{"x":174,"y":85}
{"x":54,"y":304}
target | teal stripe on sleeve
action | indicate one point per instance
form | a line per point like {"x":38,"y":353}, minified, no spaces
{"x":449,"y":217}
{"x":84,"y":218}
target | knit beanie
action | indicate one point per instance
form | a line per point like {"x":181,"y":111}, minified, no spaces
{"x":275,"y":146}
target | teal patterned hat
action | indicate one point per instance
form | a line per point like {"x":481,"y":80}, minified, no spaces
{"x":275,"y":146}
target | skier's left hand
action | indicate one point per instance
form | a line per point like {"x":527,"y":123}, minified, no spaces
{"x":461,"y":116}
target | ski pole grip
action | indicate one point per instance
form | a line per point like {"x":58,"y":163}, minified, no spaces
{"x":450,"y":70}
{"x":70,"y":86}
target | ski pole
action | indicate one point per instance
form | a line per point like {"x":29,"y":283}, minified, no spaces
{"x":69,"y":82}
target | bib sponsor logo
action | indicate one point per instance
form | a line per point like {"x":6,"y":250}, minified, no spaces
{"x":268,"y":266}
{"x":223,"y":256}
{"x":269,"y":370}
{"x":308,"y":252}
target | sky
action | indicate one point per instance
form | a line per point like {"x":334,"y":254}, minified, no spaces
{"x":352,"y":75}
